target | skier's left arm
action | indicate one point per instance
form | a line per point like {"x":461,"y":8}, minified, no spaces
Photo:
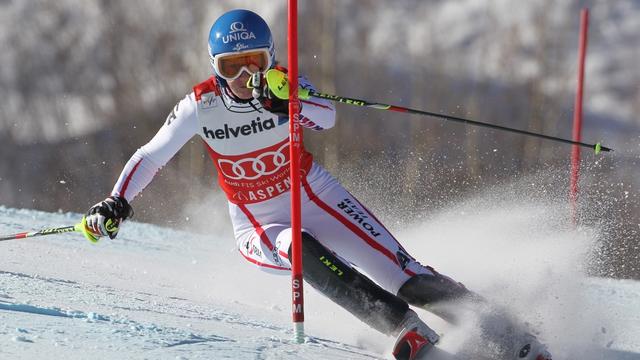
{"x":316,"y":114}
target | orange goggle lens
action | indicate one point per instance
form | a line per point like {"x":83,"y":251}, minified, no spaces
{"x":230,"y":66}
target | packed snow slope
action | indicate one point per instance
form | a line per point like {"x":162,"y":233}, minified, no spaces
{"x":157,"y":293}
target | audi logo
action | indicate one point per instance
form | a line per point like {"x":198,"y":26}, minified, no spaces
{"x":267,"y":163}
{"x":237,"y":26}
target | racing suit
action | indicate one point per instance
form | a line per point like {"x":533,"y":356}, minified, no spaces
{"x":249,"y":147}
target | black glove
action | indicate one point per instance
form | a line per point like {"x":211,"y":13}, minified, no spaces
{"x":265,"y":96}
{"x":104,"y":218}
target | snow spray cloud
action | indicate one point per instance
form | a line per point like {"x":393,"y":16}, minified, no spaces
{"x":515,"y":245}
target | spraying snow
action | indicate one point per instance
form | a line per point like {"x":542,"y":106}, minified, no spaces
{"x":518,"y":251}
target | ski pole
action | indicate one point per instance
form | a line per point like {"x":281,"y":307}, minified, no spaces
{"x":51,"y":231}
{"x":281,"y":90}
{"x":80,"y":227}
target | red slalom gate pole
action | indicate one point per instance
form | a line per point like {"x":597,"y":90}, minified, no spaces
{"x":577,"y":114}
{"x":295,"y":146}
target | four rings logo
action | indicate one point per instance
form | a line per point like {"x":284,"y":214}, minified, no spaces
{"x":267,"y":163}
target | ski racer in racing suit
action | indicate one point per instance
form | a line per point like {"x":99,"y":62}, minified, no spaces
{"x":247,"y":139}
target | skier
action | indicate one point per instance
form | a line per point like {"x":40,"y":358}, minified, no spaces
{"x":245,"y":132}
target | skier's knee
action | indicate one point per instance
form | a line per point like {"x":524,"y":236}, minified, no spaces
{"x":309,"y":244}
{"x":320,"y":262}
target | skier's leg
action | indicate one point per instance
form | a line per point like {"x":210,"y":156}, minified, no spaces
{"x":263,"y":248}
{"x":342,"y":224}
{"x":333,"y":277}
{"x":423,"y":289}
{"x":512,"y":339}
{"x":434,"y":291}
{"x":373,"y":305}
{"x":341,"y":283}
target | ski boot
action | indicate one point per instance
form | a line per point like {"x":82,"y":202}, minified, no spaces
{"x":415,"y":338}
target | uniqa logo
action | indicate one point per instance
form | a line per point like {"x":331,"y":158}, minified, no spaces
{"x":238,"y":32}
{"x":237,"y":26}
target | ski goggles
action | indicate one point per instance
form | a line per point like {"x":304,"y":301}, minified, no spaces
{"x":230,"y":66}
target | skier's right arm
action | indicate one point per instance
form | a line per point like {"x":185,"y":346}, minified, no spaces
{"x":103,"y":219}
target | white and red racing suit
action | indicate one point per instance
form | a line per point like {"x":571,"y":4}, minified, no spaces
{"x":249,"y":147}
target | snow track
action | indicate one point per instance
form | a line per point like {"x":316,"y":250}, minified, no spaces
{"x":69,"y":320}
{"x":149,"y":294}
{"x":156,"y":293}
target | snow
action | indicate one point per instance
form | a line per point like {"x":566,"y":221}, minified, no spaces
{"x":152,"y":293}
{"x":158,"y":293}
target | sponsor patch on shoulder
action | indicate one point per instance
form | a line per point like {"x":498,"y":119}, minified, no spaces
{"x":208,"y":101}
